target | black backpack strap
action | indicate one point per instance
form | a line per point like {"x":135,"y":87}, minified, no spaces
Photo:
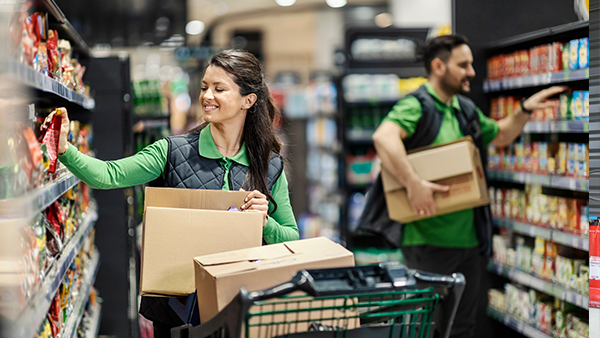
{"x":375,"y":218}
{"x":429,"y":124}
{"x":470,"y":125}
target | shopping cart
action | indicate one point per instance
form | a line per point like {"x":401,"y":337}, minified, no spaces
{"x":385,"y":300}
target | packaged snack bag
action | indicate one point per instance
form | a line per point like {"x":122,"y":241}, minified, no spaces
{"x":51,"y":140}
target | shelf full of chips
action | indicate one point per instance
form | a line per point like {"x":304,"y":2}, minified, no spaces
{"x":531,"y":206}
{"x":39,"y":50}
{"x":46,"y":265}
{"x":68,"y":304}
{"x":50,"y":248}
{"x":570,"y":106}
{"x":543,"y":265}
{"x":34,"y":178}
{"x":558,"y":164}
{"x":541,"y":65}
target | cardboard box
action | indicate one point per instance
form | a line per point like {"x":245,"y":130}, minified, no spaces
{"x":219,"y":277}
{"x":456,"y":164}
{"x":180,"y":224}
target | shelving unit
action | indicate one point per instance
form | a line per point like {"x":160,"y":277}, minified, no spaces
{"x":570,"y":240}
{"x":557,"y":127}
{"x":58,"y":21}
{"x":94,"y":321}
{"x":541,"y":285}
{"x":37,"y":307}
{"x":566,"y":76}
{"x":357,"y":137}
{"x":26,"y":75}
{"x":38,"y":200}
{"x":515,"y":324}
{"x":72,"y":322}
{"x":558,"y":182}
{"x":555,"y":131}
{"x":40,"y":91}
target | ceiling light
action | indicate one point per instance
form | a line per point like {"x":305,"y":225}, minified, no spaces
{"x":336,"y":3}
{"x":285,"y":3}
{"x":384,"y":20}
{"x":194,"y":27}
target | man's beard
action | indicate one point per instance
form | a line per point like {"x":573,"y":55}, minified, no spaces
{"x":454,"y":89}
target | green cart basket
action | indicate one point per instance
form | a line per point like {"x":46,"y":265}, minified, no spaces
{"x":384,"y":300}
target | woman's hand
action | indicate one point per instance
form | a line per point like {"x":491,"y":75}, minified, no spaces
{"x":257,"y":202}
{"x":63,"y":143}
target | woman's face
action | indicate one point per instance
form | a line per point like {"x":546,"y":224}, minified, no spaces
{"x":220,"y":97}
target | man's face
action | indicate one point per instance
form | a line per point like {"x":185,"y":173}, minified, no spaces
{"x":459,"y":70}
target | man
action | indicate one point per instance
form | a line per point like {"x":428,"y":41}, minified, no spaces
{"x":460,"y":241}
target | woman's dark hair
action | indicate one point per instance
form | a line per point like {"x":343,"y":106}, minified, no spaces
{"x":440,"y":47}
{"x":259,"y":133}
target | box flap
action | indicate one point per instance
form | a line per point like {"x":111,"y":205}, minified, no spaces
{"x":455,"y":157}
{"x":323,"y":245}
{"x":247,"y":255}
{"x":193,"y":198}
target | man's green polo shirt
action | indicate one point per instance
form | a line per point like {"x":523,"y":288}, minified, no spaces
{"x":455,"y":230}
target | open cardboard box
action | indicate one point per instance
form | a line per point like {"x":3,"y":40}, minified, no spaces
{"x":456,"y":164}
{"x":219,"y":277}
{"x":180,"y":224}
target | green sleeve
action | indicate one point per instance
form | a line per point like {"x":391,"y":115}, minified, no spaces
{"x":489,"y":128}
{"x":406,"y":113}
{"x":140,"y":168}
{"x":281,"y":225}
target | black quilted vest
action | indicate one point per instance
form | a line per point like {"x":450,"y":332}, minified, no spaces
{"x":187,"y":169}
{"x":375,"y":219}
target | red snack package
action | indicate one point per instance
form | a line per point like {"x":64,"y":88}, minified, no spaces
{"x":51,"y":140}
{"x":54,"y":315}
{"x":53,"y":55}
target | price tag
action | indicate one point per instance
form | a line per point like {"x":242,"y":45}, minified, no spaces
{"x":572,"y":184}
{"x":584,"y":185}
{"x":31,"y":111}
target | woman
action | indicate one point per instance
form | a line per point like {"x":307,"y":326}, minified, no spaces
{"x":235,"y":148}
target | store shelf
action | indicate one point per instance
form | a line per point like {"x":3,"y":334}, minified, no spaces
{"x":515,"y":324}
{"x":490,"y":86}
{"x":557,"y":127}
{"x":570,"y":240}
{"x":552,"y":33}
{"x":38,"y":200}
{"x":533,"y":282}
{"x":39,"y":303}
{"x":72,"y":322}
{"x":559,"y":182}
{"x":63,"y":25}
{"x":30,"y":77}
{"x":94,"y":321}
